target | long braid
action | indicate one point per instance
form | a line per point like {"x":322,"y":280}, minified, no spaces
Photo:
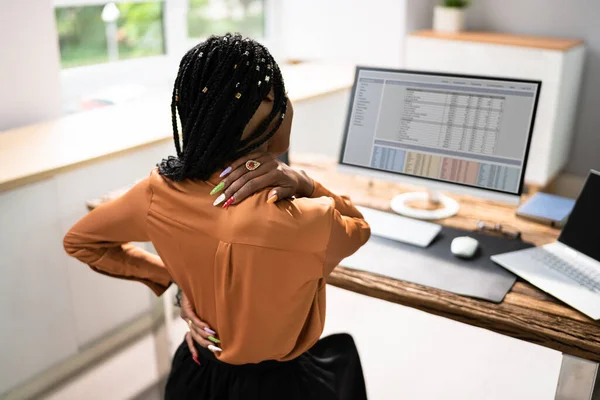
{"x":258,"y":138}
{"x":242,"y":85}
{"x":194,"y":120}
{"x":187,"y":112}
{"x":173,"y":164}
{"x":174,"y":100}
{"x":198,"y":151}
{"x":219,"y":86}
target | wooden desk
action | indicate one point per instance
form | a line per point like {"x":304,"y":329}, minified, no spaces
{"x":526,"y":313}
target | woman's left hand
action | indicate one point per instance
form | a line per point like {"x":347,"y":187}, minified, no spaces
{"x":240,"y":182}
{"x":198,"y":330}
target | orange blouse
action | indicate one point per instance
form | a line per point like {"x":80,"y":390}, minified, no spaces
{"x":255,"y":272}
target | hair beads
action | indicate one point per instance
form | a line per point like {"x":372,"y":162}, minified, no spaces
{"x":213,"y":120}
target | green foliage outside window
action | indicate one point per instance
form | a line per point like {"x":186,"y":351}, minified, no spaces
{"x":82,"y":35}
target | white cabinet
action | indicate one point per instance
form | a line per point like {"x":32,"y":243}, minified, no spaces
{"x":557,"y":63}
{"x":101,"y":304}
{"x":36,"y":314}
{"x":318,"y":125}
{"x":53,"y":307}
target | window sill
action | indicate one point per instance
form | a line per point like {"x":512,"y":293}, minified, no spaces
{"x":34,"y":152}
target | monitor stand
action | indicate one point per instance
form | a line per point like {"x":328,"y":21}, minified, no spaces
{"x":424,"y":205}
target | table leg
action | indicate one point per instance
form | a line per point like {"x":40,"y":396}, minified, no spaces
{"x":578,"y":379}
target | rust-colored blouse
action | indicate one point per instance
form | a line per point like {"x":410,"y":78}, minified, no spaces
{"x":255,"y":272}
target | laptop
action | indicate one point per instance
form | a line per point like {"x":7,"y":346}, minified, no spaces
{"x":568,"y":269}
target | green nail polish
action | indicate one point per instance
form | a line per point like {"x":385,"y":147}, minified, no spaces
{"x":217,"y":188}
{"x":214,"y":339}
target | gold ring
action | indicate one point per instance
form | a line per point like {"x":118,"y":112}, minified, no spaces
{"x":189,"y":321}
{"x":251,"y":165}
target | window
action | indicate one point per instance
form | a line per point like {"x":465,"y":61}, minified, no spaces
{"x":207,"y":17}
{"x":94,"y":34}
{"x":89,"y":34}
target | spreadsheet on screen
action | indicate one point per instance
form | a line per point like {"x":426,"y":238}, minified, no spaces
{"x":466,"y":130}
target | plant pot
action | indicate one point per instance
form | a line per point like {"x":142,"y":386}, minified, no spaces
{"x":448,"y":19}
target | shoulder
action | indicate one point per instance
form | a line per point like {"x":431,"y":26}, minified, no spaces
{"x":302,"y":224}
{"x":155,"y":179}
{"x":166,"y":187}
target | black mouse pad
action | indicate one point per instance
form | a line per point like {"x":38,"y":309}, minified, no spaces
{"x":437,"y":267}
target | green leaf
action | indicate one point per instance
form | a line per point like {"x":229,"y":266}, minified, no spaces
{"x":456,"y":3}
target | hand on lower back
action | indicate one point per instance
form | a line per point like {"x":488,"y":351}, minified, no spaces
{"x":199,"y":331}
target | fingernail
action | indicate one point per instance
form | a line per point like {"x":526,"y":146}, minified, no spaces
{"x":219,"y":199}
{"x":229,"y":202}
{"x":214,"y":348}
{"x":272,"y":199}
{"x":214,"y":339}
{"x":217,"y":188}
{"x":208,"y":330}
{"x":195,"y":357}
{"x":225,"y":172}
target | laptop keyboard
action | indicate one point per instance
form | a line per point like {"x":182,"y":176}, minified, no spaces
{"x":585,"y":276}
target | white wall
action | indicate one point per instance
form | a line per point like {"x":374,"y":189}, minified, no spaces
{"x":348,"y":31}
{"x":575,"y":19}
{"x":355,"y":31}
{"x":29,"y":63}
{"x":419,"y":14}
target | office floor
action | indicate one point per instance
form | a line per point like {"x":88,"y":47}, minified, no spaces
{"x":409,"y":354}
{"x":156,"y":392}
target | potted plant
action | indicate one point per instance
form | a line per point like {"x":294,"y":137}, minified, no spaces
{"x":450,"y":16}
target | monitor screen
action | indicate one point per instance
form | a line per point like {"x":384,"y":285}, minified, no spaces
{"x":584,"y":220}
{"x":466,"y":130}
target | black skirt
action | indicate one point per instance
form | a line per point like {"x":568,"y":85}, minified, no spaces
{"x":330,"y":370}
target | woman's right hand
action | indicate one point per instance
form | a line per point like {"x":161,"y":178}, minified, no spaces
{"x":239,"y":182}
{"x":199,"y":331}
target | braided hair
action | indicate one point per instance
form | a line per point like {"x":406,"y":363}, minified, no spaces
{"x":219,"y":86}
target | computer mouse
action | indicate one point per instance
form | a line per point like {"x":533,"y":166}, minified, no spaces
{"x":464,"y":246}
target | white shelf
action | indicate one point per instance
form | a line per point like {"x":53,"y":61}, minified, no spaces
{"x":558,"y":63}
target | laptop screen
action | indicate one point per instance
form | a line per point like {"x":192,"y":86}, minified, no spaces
{"x":581,"y":230}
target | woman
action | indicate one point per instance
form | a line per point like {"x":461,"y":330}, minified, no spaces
{"x":255,"y":272}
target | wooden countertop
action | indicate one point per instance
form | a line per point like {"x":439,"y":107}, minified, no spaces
{"x":526,"y":313}
{"x":37,"y":151}
{"x":547,"y":43}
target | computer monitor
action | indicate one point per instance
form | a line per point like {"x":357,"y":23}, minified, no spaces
{"x":459,"y":133}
